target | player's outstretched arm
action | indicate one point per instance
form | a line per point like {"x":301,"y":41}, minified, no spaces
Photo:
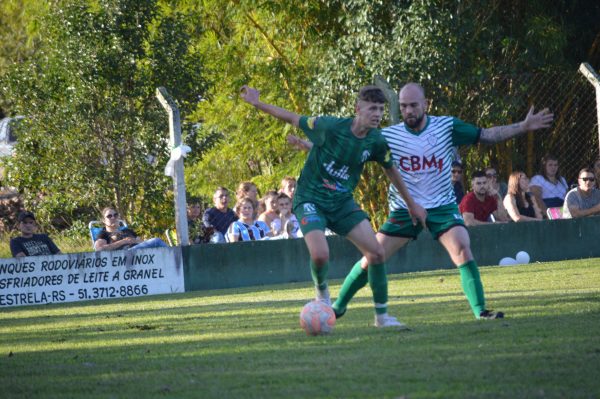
{"x":533,"y":121}
{"x":416,"y":211}
{"x":251,"y":96}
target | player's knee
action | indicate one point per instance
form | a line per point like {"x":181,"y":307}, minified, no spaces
{"x":376,"y":256}
{"x":320,"y":258}
{"x":463,"y":252}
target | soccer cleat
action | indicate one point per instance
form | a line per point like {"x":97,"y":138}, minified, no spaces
{"x":490,"y":315}
{"x":385,"y":320}
{"x":323,"y":296}
{"x":339,"y":313}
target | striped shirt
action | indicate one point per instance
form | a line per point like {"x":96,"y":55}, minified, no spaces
{"x":424,"y":159}
{"x":253,"y":232}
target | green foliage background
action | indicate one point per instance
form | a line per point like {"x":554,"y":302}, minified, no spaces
{"x":84,"y":74}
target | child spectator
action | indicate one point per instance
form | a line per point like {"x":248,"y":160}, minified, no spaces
{"x":289,"y":223}
{"x":520,"y":204}
{"x":246,"y":228}
{"x":288,"y":187}
{"x":29,"y":244}
{"x":270,"y":215}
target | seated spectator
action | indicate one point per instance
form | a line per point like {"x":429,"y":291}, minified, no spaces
{"x":220,"y":216}
{"x":247,"y":228}
{"x":478,"y":206}
{"x":519,"y":202}
{"x":288,"y":186}
{"x":289,"y":223}
{"x":112,"y":236}
{"x":549,"y":187}
{"x":497,"y":189}
{"x":29,"y":244}
{"x":247,"y":189}
{"x":596,"y":168}
{"x":198,"y":232}
{"x":457,"y":176}
{"x":495,"y":186}
{"x":271,"y":216}
{"x":583,"y":200}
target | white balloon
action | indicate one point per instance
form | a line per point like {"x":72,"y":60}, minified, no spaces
{"x":522,"y":257}
{"x":508,"y":261}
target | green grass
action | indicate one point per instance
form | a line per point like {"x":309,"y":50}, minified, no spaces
{"x":246,"y":343}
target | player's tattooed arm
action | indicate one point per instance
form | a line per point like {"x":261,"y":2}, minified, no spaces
{"x":533,"y":121}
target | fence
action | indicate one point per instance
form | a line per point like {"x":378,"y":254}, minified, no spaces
{"x":573,"y":138}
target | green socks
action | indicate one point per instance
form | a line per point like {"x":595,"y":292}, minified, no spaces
{"x":379,"y":286}
{"x":472,"y":287}
{"x":319,"y":274}
{"x":355,"y":280}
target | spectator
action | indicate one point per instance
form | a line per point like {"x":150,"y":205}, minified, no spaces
{"x":289,"y":223}
{"x":247,"y":228}
{"x":288,"y":186}
{"x":520,"y":204}
{"x":478,"y":206}
{"x":549,"y":187}
{"x":270,"y":215}
{"x":247,"y":189}
{"x":113,"y":236}
{"x":596,"y":168}
{"x":198,"y":232}
{"x":494,"y":186}
{"x":457,"y":177}
{"x":497,"y":189}
{"x":220,"y":216}
{"x":29,"y":244}
{"x":583,"y":200}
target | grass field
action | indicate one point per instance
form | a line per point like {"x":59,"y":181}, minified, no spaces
{"x":246,"y":343}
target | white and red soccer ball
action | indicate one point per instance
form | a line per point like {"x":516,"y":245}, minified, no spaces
{"x":317,"y":318}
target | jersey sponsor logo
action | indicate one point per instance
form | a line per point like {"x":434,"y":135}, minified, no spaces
{"x":309,"y":209}
{"x":310,"y":122}
{"x":415,"y":163}
{"x":365,"y":155}
{"x":309,"y":219}
{"x":341,"y":173}
{"x":335,"y":186}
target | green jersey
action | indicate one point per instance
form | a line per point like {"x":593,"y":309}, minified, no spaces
{"x":336,"y":160}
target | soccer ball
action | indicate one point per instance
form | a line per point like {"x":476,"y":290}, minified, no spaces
{"x":317,"y":318}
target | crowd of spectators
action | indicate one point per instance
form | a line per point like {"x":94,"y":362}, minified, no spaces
{"x":270,"y":217}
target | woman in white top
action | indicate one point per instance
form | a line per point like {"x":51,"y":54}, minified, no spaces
{"x":549,"y":187}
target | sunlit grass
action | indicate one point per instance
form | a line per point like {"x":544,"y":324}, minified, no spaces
{"x":246,"y":343}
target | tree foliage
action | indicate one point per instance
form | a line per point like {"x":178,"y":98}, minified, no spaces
{"x":93,"y":124}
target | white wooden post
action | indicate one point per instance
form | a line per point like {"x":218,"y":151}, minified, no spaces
{"x":178,"y":180}
{"x":594,"y":79}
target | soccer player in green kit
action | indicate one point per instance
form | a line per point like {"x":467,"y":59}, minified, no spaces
{"x":324,"y":194}
{"x":422,"y":145}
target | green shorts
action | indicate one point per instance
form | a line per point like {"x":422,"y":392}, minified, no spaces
{"x":439,"y":220}
{"x":341,"y":219}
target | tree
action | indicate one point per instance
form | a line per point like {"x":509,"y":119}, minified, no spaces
{"x":94,"y":133}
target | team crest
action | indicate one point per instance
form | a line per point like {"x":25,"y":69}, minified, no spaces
{"x":310,"y":122}
{"x":432,"y":140}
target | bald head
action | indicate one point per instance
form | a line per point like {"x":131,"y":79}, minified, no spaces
{"x":413,"y":106}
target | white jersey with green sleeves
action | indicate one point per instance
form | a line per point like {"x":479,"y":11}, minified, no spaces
{"x":335,"y":163}
{"x":425,"y":159}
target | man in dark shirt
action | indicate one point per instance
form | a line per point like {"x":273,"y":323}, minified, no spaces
{"x":220,"y":216}
{"x":29,"y":244}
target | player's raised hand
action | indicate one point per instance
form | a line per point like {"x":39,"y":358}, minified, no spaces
{"x":418,"y":214}
{"x":541,"y":120}
{"x":249,"y":94}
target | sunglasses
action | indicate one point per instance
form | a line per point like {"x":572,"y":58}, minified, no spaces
{"x":457,"y":171}
{"x":588,"y":178}
{"x":111,"y":215}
